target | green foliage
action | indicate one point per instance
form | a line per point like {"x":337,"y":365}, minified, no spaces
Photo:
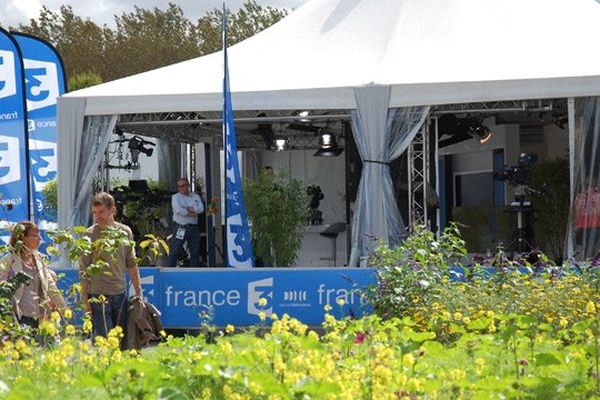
{"x":368,"y":358}
{"x":411,"y":274}
{"x":142,"y":40}
{"x":50,"y":193}
{"x":84,"y":80}
{"x":144,"y":217}
{"x":153,"y":247}
{"x":551,"y":178}
{"x":278,"y":210}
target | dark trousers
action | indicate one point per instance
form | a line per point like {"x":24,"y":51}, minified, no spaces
{"x":109,"y":313}
{"x":32,"y":322}
{"x":192,"y":237}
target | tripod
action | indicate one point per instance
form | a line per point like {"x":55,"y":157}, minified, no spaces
{"x":521,"y":208}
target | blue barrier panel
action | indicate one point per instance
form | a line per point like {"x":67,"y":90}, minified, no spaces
{"x":231,"y":296}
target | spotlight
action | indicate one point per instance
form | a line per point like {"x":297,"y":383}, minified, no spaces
{"x":303,"y":116}
{"x":327,"y":145}
{"x":326,"y":140}
{"x":460,"y":129}
{"x":479,"y":131}
{"x":280,"y":144}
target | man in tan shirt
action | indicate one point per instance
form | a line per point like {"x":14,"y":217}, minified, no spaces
{"x":108,"y":288}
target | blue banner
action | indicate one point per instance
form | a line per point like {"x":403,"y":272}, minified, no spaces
{"x":44,"y":82}
{"x":239,"y":243}
{"x":188,"y":297}
{"x":14,"y":187}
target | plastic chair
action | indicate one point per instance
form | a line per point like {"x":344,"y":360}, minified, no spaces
{"x":332,"y":232}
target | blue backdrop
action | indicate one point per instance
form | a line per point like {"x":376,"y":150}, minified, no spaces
{"x":14,"y":195}
{"x":44,"y":82}
{"x":187,"y":297}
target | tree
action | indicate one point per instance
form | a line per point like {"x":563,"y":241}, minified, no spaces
{"x":83,"y":80}
{"x":148,"y":39}
{"x":248,"y":21}
{"x":143,"y":39}
{"x":81,"y":43}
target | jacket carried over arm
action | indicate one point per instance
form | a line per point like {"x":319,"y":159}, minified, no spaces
{"x":143,"y":324}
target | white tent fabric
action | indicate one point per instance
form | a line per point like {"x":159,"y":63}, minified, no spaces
{"x":380,"y":137}
{"x":79,"y":157}
{"x":429,"y":51}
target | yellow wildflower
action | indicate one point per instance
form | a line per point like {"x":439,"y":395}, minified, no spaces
{"x":457,"y":374}
{"x":229,"y":329}
{"x":408,"y":359}
{"x":70,"y":330}
{"x":590,"y":307}
{"x":87,"y":326}
{"x":55,"y":317}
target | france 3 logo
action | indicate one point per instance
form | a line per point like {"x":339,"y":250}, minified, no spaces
{"x":10,"y":161}
{"x":41,"y":84}
{"x":8,"y":85}
{"x":43,"y":162}
{"x":257,"y":290}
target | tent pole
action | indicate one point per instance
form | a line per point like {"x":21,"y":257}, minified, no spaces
{"x":571,"y":115}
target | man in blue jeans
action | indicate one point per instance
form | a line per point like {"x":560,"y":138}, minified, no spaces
{"x":104,"y":293}
{"x":186,"y":208}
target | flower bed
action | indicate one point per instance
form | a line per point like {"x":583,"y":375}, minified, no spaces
{"x":520,"y":357}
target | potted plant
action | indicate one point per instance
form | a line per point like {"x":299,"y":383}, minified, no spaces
{"x":277,"y":209}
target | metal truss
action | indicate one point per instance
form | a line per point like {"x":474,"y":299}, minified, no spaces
{"x":243,"y":116}
{"x":418,"y":176}
{"x":496,"y":106}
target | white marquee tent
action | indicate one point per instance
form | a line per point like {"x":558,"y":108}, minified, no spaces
{"x":368,"y":55}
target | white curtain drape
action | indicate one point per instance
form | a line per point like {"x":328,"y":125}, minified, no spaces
{"x":381,"y":136}
{"x":584,"y":218}
{"x":81,"y":146}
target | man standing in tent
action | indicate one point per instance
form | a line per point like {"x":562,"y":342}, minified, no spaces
{"x":186,"y":208}
{"x":104,"y":292}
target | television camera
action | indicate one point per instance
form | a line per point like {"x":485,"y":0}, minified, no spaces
{"x":519,"y":176}
{"x":135,"y":145}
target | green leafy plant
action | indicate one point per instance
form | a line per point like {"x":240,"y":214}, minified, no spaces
{"x":50,"y":207}
{"x":411,"y":273}
{"x":152,"y":248}
{"x":278,"y":210}
{"x":551,"y":179}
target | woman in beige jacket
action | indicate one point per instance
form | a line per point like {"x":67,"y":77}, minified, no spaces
{"x":35,"y":301}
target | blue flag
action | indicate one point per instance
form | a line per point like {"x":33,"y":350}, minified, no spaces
{"x":14,"y":186}
{"x":44,"y":82}
{"x":239,"y":243}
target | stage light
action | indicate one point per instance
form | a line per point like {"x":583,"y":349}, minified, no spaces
{"x":479,"y":131}
{"x":327,"y":145}
{"x":280,"y":144}
{"x":303,"y":116}
{"x":326,"y":139}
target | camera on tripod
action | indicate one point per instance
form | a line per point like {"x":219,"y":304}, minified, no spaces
{"x":518,"y":176}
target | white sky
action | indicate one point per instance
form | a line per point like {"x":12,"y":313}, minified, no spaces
{"x":13,"y":12}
